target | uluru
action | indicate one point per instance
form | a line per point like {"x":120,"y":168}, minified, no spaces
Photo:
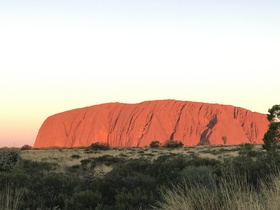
{"x":130,"y":125}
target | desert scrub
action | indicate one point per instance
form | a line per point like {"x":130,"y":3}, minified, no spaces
{"x":233,"y":193}
{"x":172,"y":144}
{"x":99,"y":146}
{"x":75,"y":156}
{"x":155,"y":144}
{"x":8,"y":159}
{"x":26,"y":147}
{"x":90,"y":163}
{"x":225,"y":196}
{"x":108,"y":181}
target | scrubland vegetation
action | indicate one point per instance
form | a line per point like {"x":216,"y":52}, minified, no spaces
{"x":166,"y":177}
{"x":202,"y":177}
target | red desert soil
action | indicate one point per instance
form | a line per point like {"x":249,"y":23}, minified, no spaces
{"x":126,"y":125}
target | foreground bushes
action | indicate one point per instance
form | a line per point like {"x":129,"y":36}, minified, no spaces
{"x":143,"y":183}
{"x":8,"y":159}
{"x":227,"y":195}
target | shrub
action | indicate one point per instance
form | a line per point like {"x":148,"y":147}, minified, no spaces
{"x":75,"y":156}
{"x":8,"y":159}
{"x":245,"y":148}
{"x":199,"y":176}
{"x":155,"y":144}
{"x":173,"y":144}
{"x":86,"y":199}
{"x":135,"y":198}
{"x":36,"y":167}
{"x":26,"y":147}
{"x":90,"y":163}
{"x":99,"y":146}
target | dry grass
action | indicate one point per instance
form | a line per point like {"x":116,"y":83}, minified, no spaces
{"x":229,"y":195}
{"x":64,"y":157}
{"x":234,"y":194}
{"x":9,"y":200}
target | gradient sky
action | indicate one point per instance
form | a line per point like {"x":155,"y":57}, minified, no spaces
{"x":57,"y":55}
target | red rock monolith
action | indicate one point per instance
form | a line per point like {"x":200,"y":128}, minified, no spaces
{"x":127,"y":125}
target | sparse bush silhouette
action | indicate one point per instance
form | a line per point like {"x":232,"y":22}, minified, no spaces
{"x":26,"y":147}
{"x":75,"y":156}
{"x":99,"y":146}
{"x":155,"y":144}
{"x":173,"y":144}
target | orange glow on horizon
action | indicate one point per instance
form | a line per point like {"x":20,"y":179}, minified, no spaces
{"x":17,"y":135}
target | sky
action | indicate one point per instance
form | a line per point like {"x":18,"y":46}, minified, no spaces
{"x":58,"y":55}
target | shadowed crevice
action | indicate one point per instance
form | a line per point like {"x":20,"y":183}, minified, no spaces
{"x":204,"y":138}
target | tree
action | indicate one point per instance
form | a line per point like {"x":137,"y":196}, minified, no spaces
{"x":274,"y":114}
{"x":272,"y":136}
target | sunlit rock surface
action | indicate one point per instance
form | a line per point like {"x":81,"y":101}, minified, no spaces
{"x":126,"y":125}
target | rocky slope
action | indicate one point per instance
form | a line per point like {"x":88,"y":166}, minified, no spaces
{"x":128,"y":125}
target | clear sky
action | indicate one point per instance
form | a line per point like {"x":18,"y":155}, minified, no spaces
{"x":57,"y":55}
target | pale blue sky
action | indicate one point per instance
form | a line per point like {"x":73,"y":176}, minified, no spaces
{"x":60,"y":55}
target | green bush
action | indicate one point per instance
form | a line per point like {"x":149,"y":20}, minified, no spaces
{"x":50,"y":190}
{"x":87,"y":199}
{"x":135,"y":198}
{"x":118,"y":184}
{"x":8,"y":159}
{"x":199,"y":177}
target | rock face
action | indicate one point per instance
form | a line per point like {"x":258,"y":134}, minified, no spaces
{"x":125,"y":125}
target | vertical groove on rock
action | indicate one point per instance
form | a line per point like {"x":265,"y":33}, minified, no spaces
{"x":65,"y":129}
{"x":146,"y":128}
{"x":177,"y":122}
{"x":200,"y":107}
{"x":235,"y":113}
{"x":76,"y":128}
{"x":114,"y":122}
{"x":129,"y":127}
